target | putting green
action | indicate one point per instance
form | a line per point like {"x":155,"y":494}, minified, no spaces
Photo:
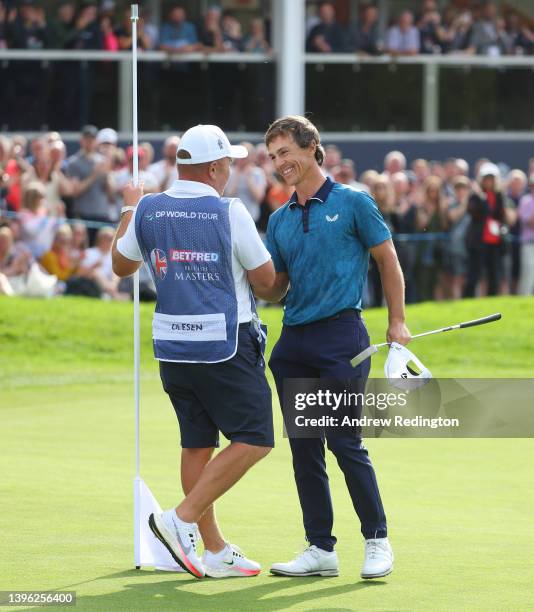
{"x":458,"y":510}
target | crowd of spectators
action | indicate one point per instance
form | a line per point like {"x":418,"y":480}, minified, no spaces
{"x":479,"y":27}
{"x":459,"y":231}
{"x":95,"y":25}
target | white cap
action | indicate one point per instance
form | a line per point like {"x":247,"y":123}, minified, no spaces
{"x":488,"y":169}
{"x":399,"y":372}
{"x":206,"y":143}
{"x":107,"y":136}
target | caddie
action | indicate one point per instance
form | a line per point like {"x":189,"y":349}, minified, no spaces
{"x":205,"y":256}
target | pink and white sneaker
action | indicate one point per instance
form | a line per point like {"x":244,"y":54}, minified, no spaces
{"x":229,"y":563}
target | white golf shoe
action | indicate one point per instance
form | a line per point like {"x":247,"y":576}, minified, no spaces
{"x":378,"y":558}
{"x":229,"y":562}
{"x":312,"y":562}
{"x":179,"y":538}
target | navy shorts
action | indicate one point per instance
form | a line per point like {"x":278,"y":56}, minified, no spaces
{"x":232,"y":397}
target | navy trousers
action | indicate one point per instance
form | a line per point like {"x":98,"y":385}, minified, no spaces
{"x":323,"y":350}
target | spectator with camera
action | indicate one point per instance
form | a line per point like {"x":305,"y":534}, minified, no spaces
{"x":484,"y":236}
{"x":92,"y":186}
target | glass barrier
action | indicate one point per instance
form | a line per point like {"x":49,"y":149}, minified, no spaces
{"x":59,"y":95}
{"x":173,"y":96}
{"x":365,"y":97}
{"x":486,"y":98}
{"x":64,"y":95}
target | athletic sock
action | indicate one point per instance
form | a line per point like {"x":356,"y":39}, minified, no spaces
{"x":217,"y":556}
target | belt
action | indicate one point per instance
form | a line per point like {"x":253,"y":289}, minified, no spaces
{"x":339,"y":315}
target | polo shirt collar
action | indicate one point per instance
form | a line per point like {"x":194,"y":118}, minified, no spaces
{"x":191,"y":189}
{"x":321,"y":195}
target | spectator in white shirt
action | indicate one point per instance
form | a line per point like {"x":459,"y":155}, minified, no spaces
{"x":165,"y":170}
{"x":403,"y":38}
{"x":248,"y":182}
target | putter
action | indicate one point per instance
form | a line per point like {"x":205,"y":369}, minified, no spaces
{"x":371,"y":350}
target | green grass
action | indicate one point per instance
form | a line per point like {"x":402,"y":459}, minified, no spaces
{"x":458,"y":510}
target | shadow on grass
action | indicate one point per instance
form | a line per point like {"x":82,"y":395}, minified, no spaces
{"x":191,"y":594}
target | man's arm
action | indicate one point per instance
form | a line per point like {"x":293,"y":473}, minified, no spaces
{"x":273,"y":292}
{"x":122,"y":266}
{"x":393,"y":284}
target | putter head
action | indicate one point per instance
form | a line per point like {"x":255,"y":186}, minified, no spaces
{"x":365,"y":354}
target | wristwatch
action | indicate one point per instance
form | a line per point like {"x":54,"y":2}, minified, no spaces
{"x":126,"y":209}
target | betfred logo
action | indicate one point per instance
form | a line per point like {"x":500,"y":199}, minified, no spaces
{"x":193,"y":256}
{"x":159,"y":263}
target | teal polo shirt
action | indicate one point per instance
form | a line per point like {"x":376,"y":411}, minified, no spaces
{"x":324,"y":247}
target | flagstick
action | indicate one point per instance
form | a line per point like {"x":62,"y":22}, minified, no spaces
{"x":137,"y":335}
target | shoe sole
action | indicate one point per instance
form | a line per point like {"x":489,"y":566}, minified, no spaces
{"x":156,"y":531}
{"x":324,"y":573}
{"x":371,"y":576}
{"x":222,"y":574}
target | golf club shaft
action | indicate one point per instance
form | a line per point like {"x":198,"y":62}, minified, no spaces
{"x":489,"y":319}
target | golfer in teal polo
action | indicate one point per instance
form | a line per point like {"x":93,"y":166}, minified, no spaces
{"x":320,"y":242}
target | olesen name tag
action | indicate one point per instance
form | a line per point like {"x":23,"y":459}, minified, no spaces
{"x":193,"y":328}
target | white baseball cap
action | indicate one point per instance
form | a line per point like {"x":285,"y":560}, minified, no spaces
{"x":107,"y":136}
{"x":399,"y":369}
{"x":488,"y":169}
{"x":206,"y":143}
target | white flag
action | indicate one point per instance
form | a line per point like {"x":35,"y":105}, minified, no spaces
{"x":152,"y":551}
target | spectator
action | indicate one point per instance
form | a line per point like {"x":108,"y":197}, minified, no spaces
{"x":432,"y":34}
{"x":49,"y":173}
{"x":256,"y":41}
{"x":107,"y":140}
{"x":483,"y":238}
{"x":515,"y":190}
{"x":458,"y":34}
{"x":124,"y":33}
{"x":146,"y":160}
{"x":394,"y":162}
{"x":87,"y":34}
{"x":431,"y":216}
{"x":37,"y":229}
{"x":487,"y":37}
{"x":369,"y":178}
{"x":332,"y":159}
{"x":124,"y":176}
{"x":58,"y":260}
{"x":346,"y":174}
{"x":421,"y":170}
{"x":164,"y":170}
{"x":455,"y":259}
{"x":13,"y":262}
{"x":403,"y":38}
{"x":110,"y":42}
{"x":14,"y":169}
{"x":149,"y":28}
{"x":364,"y":37}
{"x":29,"y":29}
{"x":63,"y":26}
{"x":80,"y":242}
{"x":177,"y":34}
{"x":97,"y":265}
{"x":210,"y":30}
{"x":231,"y":33}
{"x":92,"y":188}
{"x":327,"y":36}
{"x":520,"y":36}
{"x":5,"y":18}
{"x":248,"y":182}
{"x":384,"y":197}
{"x":526,"y":216}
